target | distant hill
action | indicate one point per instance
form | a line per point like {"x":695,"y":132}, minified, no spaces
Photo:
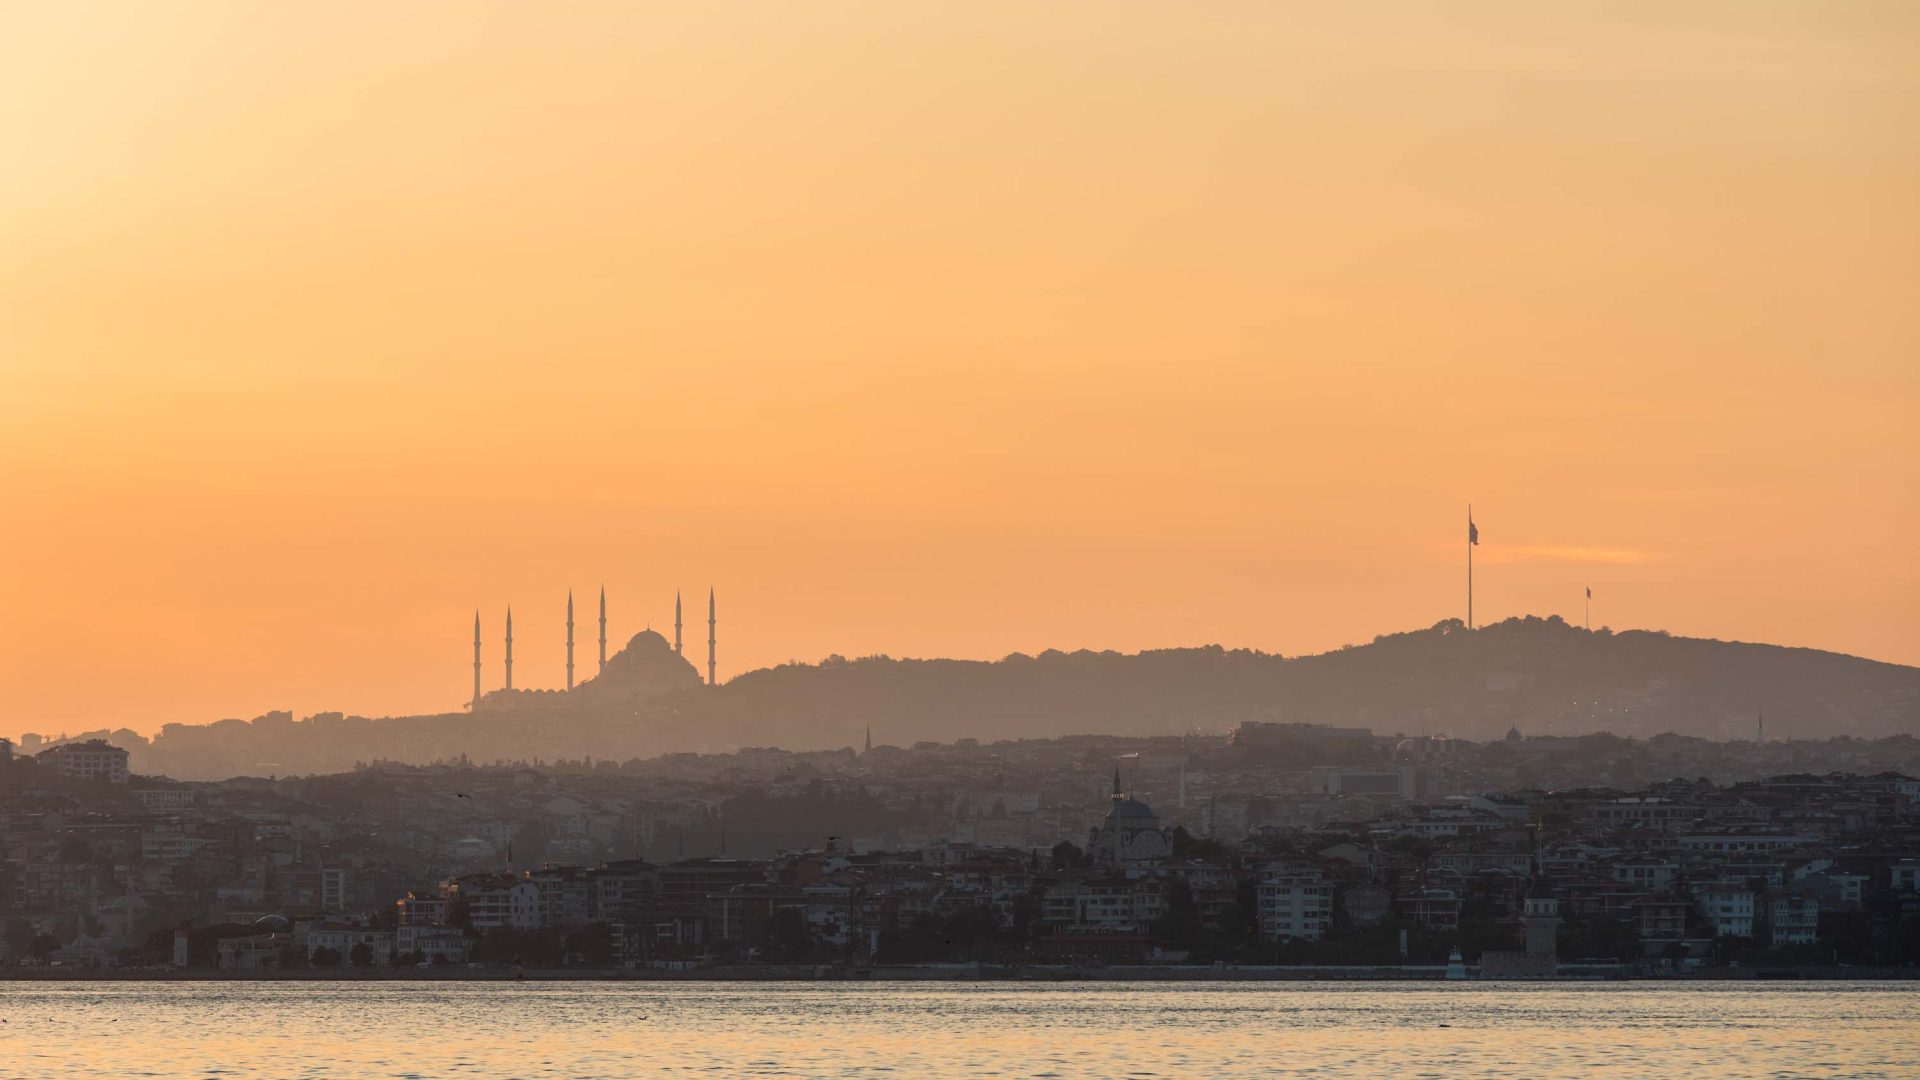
{"x":1539,"y":675}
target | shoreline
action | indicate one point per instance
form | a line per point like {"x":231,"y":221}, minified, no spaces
{"x":954,"y":973}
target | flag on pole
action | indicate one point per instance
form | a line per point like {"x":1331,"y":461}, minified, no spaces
{"x":1473,"y":532}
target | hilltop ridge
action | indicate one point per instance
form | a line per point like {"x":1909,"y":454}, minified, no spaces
{"x":1539,"y":675}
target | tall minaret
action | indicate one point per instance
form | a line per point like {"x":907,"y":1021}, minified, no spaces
{"x":711,"y":665}
{"x":677,"y":650}
{"x":603,"y":628}
{"x":509,"y":648}
{"x":569,"y":639}
{"x":476,"y":659}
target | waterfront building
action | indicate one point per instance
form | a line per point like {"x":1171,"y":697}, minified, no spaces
{"x":1729,"y":909}
{"x":1296,"y":901}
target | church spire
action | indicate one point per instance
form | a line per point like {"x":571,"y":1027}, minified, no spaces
{"x":569,"y":639}
{"x":712,"y":664}
{"x":476,"y":658}
{"x":603,"y":628}
{"x":509,"y":647}
{"x":677,"y":650}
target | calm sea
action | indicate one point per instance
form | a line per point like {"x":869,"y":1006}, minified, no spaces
{"x":580,"y":1030}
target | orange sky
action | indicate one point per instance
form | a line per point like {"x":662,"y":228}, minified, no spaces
{"x":936,"y":330}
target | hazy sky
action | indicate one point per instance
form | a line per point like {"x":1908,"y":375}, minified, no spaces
{"x":936,"y":329}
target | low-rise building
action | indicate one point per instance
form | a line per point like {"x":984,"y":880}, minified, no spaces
{"x":94,"y":759}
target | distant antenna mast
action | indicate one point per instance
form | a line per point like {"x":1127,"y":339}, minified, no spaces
{"x":1473,"y":540}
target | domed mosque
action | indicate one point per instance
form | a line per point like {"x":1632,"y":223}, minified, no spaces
{"x":1130,"y":834}
{"x":648,"y":667}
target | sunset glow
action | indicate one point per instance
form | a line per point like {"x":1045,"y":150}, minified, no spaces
{"x":932,"y":330}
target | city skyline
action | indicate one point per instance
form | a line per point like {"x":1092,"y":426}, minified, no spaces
{"x":1078,"y":405}
{"x":321,"y":330}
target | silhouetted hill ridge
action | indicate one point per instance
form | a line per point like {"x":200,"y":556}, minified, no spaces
{"x":1539,"y":675}
{"x":1536,"y":673}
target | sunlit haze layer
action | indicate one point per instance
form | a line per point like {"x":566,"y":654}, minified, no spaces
{"x":936,"y":330}
{"x":579,"y":1029}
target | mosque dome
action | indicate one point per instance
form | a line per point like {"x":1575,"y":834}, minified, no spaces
{"x":646,"y":667}
{"x":1131,"y":809}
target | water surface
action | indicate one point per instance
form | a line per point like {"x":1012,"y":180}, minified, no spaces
{"x":583,"y":1030}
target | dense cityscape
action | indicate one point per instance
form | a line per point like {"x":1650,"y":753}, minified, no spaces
{"x":1278,"y":848}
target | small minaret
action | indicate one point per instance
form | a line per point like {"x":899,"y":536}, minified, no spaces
{"x":603,"y":628}
{"x":869,"y":738}
{"x":476,"y":659}
{"x":712,"y":665}
{"x":509,"y":648}
{"x":1116,"y":782}
{"x":677,"y":650}
{"x":569,"y":639}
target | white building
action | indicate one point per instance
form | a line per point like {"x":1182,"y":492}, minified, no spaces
{"x":1109,"y":906}
{"x":1729,"y":909}
{"x":1793,"y":920}
{"x":488,"y":900}
{"x":525,"y":909}
{"x":342,"y":938}
{"x":439,"y":944}
{"x":254,"y":952}
{"x":164,"y":798}
{"x":333,"y":888}
{"x":1296,"y":901}
{"x":1906,"y":875}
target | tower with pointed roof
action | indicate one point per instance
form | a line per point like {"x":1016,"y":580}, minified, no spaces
{"x":569,"y":639}
{"x":509,"y":647}
{"x":603,"y":628}
{"x":713,"y":666}
{"x":677,"y":650}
